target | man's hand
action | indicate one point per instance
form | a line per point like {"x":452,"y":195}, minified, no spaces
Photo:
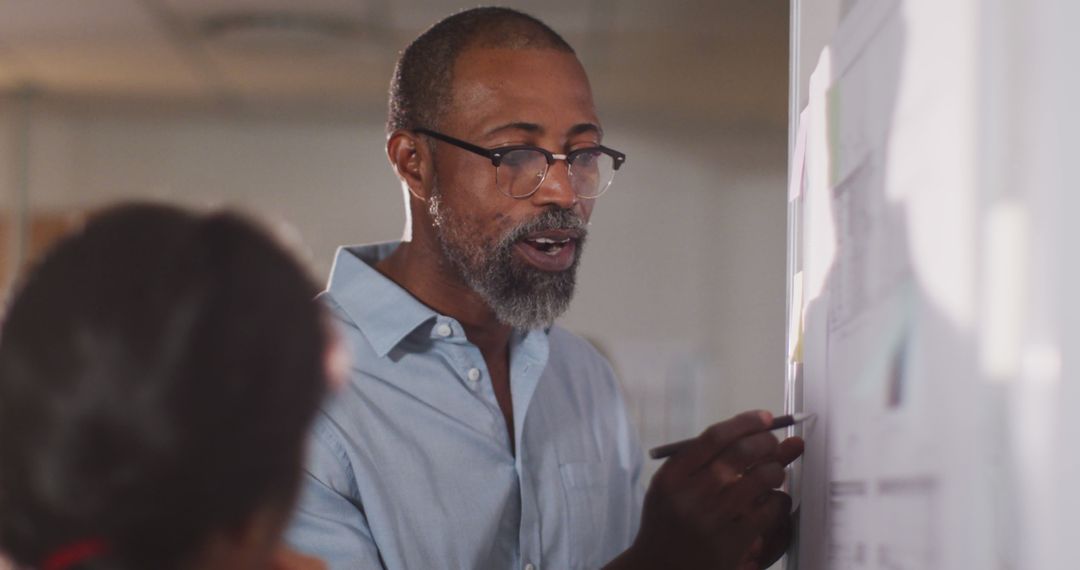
{"x":715,"y":504}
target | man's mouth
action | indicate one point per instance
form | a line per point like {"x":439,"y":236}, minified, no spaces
{"x":550,"y":250}
{"x":548,"y":246}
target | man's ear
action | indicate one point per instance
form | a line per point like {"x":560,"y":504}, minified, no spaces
{"x":411,"y":159}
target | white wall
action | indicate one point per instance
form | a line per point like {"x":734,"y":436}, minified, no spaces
{"x":683,"y":278}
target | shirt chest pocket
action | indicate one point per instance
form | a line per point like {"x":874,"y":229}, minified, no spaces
{"x":587,"y":487}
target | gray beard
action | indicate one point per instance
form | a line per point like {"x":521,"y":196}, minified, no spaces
{"x":519,"y":295}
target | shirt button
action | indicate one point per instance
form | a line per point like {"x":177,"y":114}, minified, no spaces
{"x":474,"y":374}
{"x":444,"y":330}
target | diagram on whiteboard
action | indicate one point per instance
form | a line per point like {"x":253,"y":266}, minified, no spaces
{"x":884,"y":292}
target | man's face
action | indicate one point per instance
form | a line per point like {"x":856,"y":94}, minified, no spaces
{"x":521,"y":255}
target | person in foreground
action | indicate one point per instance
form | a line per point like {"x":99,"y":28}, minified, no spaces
{"x":474,"y":433}
{"x":158,"y":372}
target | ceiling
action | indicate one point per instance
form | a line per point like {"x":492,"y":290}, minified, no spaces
{"x":718,"y":60}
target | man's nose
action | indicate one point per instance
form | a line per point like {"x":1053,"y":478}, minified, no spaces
{"x":556,"y":188}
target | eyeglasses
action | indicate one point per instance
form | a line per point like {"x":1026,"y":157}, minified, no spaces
{"x":521,"y":169}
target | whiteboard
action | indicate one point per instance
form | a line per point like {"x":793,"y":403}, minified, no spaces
{"x":930,"y":266}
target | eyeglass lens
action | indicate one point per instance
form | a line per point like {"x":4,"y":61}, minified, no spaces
{"x":522,"y":171}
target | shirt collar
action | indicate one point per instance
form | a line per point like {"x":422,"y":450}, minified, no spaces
{"x":383,"y":311}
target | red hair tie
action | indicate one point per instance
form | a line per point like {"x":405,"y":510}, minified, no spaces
{"x":74,"y":553}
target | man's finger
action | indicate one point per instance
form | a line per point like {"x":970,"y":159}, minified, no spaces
{"x":744,"y":454}
{"x":769,"y":513}
{"x":745,"y":495}
{"x":789,"y":450}
{"x":771,"y":474}
{"x":716,"y":439}
{"x":752,"y":559}
{"x":777,"y":542}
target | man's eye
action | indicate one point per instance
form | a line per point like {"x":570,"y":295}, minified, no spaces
{"x":519,"y":157}
{"x":587,"y":158}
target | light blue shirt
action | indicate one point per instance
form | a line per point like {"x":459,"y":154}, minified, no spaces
{"x":410,"y":465}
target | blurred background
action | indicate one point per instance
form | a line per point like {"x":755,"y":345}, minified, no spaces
{"x":277,"y":108}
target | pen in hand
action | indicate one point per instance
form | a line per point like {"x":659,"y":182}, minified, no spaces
{"x":778,"y":422}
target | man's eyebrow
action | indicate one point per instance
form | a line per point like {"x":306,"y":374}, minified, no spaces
{"x":585,"y":128}
{"x":577,"y":129}
{"x":516,"y":126}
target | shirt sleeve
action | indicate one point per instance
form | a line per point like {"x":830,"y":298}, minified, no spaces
{"x":329,"y":522}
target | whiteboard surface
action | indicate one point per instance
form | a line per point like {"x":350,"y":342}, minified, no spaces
{"x":912,"y":296}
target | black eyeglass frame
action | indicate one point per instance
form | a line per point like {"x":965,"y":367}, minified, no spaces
{"x":495,"y":155}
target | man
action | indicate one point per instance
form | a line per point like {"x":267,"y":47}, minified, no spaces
{"x":473,"y":433}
